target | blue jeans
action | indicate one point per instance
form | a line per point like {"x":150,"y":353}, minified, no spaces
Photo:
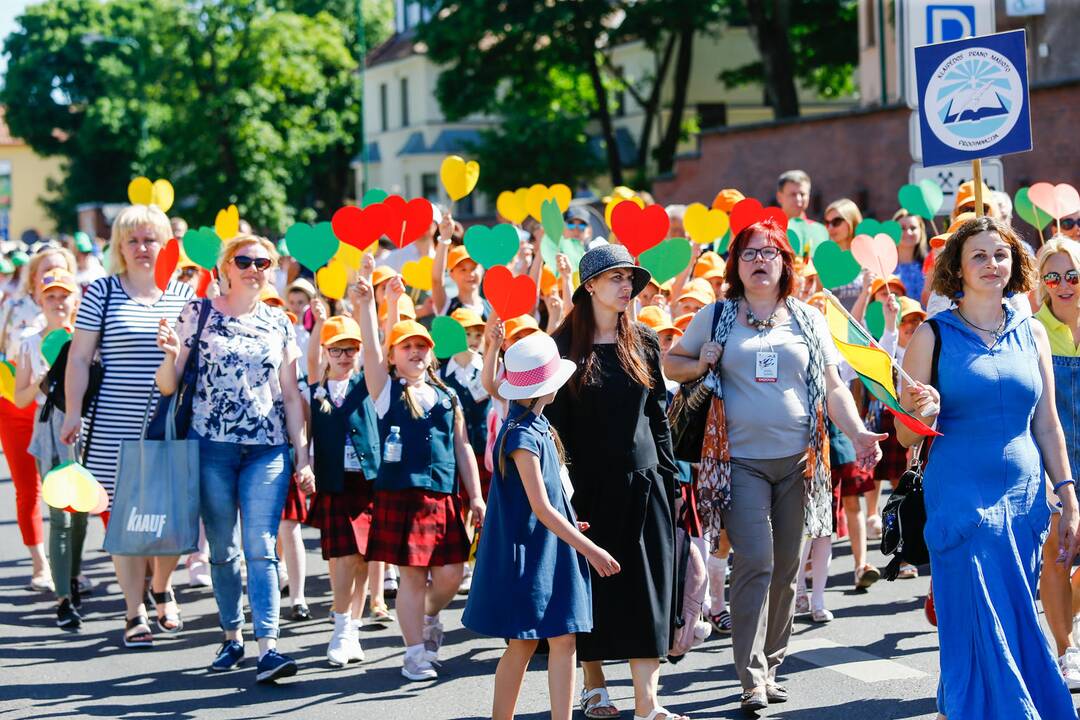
{"x":254,"y":480}
{"x":1067,"y":397}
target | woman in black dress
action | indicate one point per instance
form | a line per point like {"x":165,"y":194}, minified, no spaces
{"x":611,"y":418}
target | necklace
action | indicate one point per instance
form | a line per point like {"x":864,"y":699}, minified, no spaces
{"x":761,"y":325}
{"x":995,"y":333}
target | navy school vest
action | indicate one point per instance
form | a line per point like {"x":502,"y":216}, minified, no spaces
{"x":427,"y":444}
{"x":475,"y":412}
{"x":354,"y":422}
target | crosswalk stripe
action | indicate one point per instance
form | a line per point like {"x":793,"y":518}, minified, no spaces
{"x":849,"y":661}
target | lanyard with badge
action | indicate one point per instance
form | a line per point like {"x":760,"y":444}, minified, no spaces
{"x":766,"y":362}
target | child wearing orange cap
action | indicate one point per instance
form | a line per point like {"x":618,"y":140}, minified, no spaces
{"x":465,"y":274}
{"x":345,"y":452}
{"x":417,"y":523}
{"x":498,"y":338}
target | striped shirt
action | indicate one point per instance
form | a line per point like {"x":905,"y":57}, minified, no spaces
{"x":130,"y":355}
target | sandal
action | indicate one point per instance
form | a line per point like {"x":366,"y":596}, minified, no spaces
{"x":142,"y":637}
{"x":603,"y":702}
{"x":721,"y":622}
{"x":668,"y":715}
{"x":167,"y":622}
{"x":380,"y":613}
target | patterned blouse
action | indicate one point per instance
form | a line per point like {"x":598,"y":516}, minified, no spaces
{"x":19,"y":316}
{"x":238,"y":395}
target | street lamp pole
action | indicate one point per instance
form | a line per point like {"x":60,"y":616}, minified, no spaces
{"x":361,"y":53}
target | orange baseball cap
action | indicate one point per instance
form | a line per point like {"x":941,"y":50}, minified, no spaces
{"x":405,"y":307}
{"x":517,"y":325}
{"x":467,"y":318}
{"x":270,"y":296}
{"x":966,"y":194}
{"x":683,"y":321}
{"x":726,"y":199}
{"x":938,"y":241}
{"x":58,"y":277}
{"x":657,"y":319}
{"x":406,"y":329}
{"x":548,"y":281}
{"x":458,"y":254}
{"x":338,"y":328}
{"x":710,"y":265}
{"x":910,"y":307}
{"x":895,"y":284}
{"x":698,"y":289}
{"x":381,"y":274}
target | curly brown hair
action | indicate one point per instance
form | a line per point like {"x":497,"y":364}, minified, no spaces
{"x":947,"y":280}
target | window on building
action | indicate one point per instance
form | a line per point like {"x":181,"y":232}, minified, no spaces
{"x":404,"y":102}
{"x":384,"y":107}
{"x":871,"y":23}
{"x":429,"y":187}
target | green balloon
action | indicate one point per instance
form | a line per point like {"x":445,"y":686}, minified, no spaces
{"x":492,"y":246}
{"x":667,"y":259}
{"x":449,"y":337}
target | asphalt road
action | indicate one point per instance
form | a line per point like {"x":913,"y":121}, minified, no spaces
{"x":877,"y":660}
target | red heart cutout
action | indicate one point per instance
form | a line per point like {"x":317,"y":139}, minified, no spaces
{"x":639,"y":228}
{"x":510,"y":296}
{"x":166,"y":264}
{"x":205,"y":276}
{"x":406,"y":221}
{"x":360,"y":227}
{"x":749,"y":211}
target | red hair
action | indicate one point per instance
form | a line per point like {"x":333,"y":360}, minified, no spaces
{"x":775,"y":235}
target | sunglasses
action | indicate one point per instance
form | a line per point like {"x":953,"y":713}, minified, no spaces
{"x":835,"y":222}
{"x":243,"y":262}
{"x":581,"y":224}
{"x":336,"y":352}
{"x":1053,"y":279}
{"x":1069,"y":223}
{"x":768,"y":253}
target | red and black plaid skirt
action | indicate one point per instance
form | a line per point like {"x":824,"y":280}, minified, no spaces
{"x":893,"y":454}
{"x":853,"y":481}
{"x":485,"y":483}
{"x":296,"y":503}
{"x":417,"y":528}
{"x":344,"y":519}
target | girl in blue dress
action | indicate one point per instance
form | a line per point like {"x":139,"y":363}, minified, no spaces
{"x":530,"y":581}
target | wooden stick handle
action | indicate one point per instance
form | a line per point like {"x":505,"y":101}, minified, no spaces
{"x":976,"y":173}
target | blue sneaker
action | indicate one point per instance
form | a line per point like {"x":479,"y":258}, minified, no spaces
{"x":228,"y":657}
{"x":274,"y":666}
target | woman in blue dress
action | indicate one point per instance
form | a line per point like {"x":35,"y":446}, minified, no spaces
{"x":530,"y":582}
{"x":987,"y":502}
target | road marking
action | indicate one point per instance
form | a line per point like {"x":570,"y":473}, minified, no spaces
{"x":849,"y":661}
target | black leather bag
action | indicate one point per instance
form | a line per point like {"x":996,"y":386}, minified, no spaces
{"x":688,"y":411}
{"x":53,"y":387}
{"x":180,"y":403}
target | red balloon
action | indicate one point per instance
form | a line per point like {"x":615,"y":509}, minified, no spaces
{"x":510,"y":296}
{"x":360,"y":227}
{"x":749,"y":211}
{"x":639,"y":228}
{"x":405,"y":221}
{"x":166,"y":264}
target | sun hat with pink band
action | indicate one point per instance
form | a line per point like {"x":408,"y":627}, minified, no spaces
{"x":533,"y":368}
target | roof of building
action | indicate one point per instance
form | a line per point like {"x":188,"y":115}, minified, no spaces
{"x":455,"y":141}
{"x":397,"y":47}
{"x":373,"y":154}
{"x":414,"y":145}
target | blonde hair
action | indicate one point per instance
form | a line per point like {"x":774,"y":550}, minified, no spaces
{"x":232,"y":248}
{"x":922,"y":248}
{"x":848,"y":210}
{"x":1055,"y":245}
{"x":124,"y":226}
{"x":26,"y":286}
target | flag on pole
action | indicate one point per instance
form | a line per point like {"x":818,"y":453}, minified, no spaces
{"x":872,"y":364}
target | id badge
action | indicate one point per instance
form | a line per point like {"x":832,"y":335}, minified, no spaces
{"x":765,"y":368}
{"x":352,"y":462}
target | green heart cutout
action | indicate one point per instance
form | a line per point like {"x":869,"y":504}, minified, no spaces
{"x":492,"y":246}
{"x":572,"y":249}
{"x":835,"y":267}
{"x":449,"y":336}
{"x":551,"y":219}
{"x":203,"y":246}
{"x":924,"y":199}
{"x":872,"y":227}
{"x":372,"y":196}
{"x":797,"y":233}
{"x":1028,"y":212}
{"x":53,"y":343}
{"x":312,"y":246}
{"x":875,"y":318}
{"x":569,"y":247}
{"x":725,"y":242}
{"x":667,"y":259}
{"x":816,"y":234}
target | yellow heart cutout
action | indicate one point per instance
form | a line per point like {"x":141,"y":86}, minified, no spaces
{"x":417,"y":273}
{"x":459,"y":177}
{"x":7,"y":382}
{"x":227,"y":223}
{"x":704,"y":225}
{"x":333,"y":279}
{"x":163,"y":195}
{"x":143,"y":192}
{"x":615,"y":201}
{"x":538,"y":193}
{"x":511,"y":205}
{"x":352,"y":257}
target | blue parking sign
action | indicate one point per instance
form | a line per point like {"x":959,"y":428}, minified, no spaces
{"x":973,"y":98}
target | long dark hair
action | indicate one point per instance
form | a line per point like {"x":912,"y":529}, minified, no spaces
{"x":581,"y":326}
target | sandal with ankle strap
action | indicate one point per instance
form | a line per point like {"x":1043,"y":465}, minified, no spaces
{"x":668,"y":715}
{"x":166,"y":622}
{"x":143,"y":637}
{"x":602,"y":702}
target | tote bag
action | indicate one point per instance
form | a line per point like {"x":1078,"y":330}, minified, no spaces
{"x":155,"y":508}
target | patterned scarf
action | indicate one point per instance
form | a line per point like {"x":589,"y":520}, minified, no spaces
{"x":714,"y":473}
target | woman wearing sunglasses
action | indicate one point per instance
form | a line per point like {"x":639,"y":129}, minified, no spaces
{"x":841,"y":218}
{"x":247,"y":410}
{"x":1059,"y":312}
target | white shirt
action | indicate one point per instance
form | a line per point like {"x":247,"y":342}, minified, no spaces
{"x":469,"y":376}
{"x":424,"y":393}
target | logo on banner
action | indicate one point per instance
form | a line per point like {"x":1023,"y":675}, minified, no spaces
{"x":973,"y":99}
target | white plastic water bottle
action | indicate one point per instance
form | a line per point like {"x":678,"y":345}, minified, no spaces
{"x":392,"y":446}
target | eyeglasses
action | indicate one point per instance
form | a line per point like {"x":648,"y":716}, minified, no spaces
{"x":336,"y":352}
{"x":581,"y":224}
{"x":1069,"y":223}
{"x":770,"y":252}
{"x":835,"y":222}
{"x":243,"y":262}
{"x":1053,"y":279}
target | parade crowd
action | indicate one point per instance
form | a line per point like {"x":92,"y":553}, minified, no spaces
{"x":537,"y":469}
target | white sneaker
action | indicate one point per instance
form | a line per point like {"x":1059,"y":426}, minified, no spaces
{"x":416,"y":668}
{"x":822,"y":615}
{"x":356,"y":653}
{"x":338,"y":652}
{"x":1069,"y":663}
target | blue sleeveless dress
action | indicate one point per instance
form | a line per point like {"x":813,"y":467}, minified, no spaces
{"x":987,"y":516}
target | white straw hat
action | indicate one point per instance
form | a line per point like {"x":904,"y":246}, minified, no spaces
{"x":534,"y":368}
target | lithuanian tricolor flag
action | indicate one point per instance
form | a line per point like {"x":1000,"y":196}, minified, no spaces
{"x":873,"y":365}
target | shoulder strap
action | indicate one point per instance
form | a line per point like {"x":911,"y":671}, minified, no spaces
{"x":937,"y":351}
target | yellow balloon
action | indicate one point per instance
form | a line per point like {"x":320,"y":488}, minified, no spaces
{"x":58,"y":487}
{"x":141,"y":191}
{"x":511,"y":206}
{"x":417,"y":273}
{"x":350,"y":256}
{"x":227,"y":223}
{"x":333,"y":279}
{"x":459,"y":177}
{"x":615,"y":201}
{"x":704,"y":225}
{"x":162,"y":195}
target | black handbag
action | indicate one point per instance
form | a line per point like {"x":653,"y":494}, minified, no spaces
{"x":179,"y":404}
{"x":53,"y":386}
{"x":688,"y":411}
{"x":904,"y":517}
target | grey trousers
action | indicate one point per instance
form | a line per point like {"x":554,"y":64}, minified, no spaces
{"x":765,"y":526}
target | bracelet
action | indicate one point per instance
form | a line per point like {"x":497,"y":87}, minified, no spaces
{"x":1063,"y":483}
